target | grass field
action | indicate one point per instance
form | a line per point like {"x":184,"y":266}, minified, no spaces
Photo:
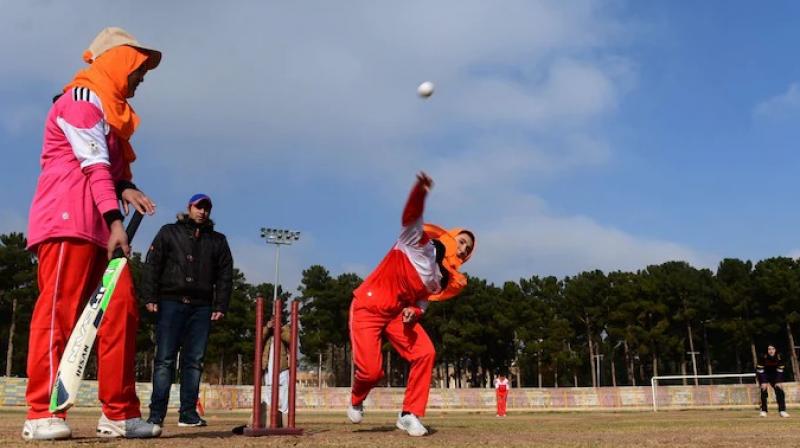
{"x":710,"y":428}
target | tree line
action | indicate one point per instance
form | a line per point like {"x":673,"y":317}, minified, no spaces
{"x":591,"y":329}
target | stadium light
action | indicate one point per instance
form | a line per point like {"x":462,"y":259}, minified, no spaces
{"x":278,"y":237}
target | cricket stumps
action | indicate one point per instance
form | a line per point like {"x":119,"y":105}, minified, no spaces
{"x":274,"y":428}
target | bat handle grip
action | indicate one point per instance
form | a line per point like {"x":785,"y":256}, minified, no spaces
{"x":133,"y":226}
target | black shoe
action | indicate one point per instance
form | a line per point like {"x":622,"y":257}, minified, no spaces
{"x":191,"y":420}
{"x":155,"y":421}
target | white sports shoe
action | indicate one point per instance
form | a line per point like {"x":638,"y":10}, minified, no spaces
{"x":48,"y":428}
{"x":355,"y":413}
{"x":784,"y":414}
{"x":132,"y":428}
{"x":763,"y":414}
{"x":411,"y":424}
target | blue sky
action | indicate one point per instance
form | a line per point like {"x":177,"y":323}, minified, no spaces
{"x":568,"y":135}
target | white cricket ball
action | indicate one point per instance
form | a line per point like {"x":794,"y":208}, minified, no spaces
{"x":425,"y":89}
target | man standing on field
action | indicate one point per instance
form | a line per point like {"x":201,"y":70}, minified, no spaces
{"x":188,"y":279}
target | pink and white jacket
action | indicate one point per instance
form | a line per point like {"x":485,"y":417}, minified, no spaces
{"x":81,"y":164}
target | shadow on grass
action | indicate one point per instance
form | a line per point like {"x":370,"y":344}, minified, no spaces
{"x":377,"y":429}
{"x":81,"y":440}
{"x":199,"y":435}
{"x":229,"y":434}
{"x":390,"y":428}
{"x":188,"y":435}
{"x":239,"y":431}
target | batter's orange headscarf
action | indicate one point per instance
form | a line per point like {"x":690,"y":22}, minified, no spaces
{"x":451,"y":262}
{"x":107,"y":77}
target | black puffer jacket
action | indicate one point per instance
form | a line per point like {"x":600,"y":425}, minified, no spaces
{"x":189,"y":263}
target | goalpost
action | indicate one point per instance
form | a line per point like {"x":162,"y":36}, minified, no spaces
{"x":654,"y":381}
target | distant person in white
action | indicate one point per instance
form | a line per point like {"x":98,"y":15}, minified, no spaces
{"x":266,"y":364}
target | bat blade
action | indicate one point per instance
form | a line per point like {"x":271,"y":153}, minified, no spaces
{"x":79,"y":347}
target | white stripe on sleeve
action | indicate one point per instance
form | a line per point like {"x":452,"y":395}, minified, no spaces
{"x":89,"y":145}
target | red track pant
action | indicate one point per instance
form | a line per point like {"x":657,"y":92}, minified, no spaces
{"x":367,"y":326}
{"x":69,"y":271}
{"x":502,"y":396}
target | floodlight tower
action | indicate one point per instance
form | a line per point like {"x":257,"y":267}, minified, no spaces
{"x":278,"y":237}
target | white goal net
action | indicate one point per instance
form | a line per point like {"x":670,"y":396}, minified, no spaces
{"x":697,"y":380}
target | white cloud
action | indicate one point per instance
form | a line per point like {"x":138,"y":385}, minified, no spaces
{"x":519,"y":235}
{"x":316,"y":91}
{"x":337,"y":82}
{"x":571,"y":93}
{"x":787,"y":103}
{"x":537,"y":242}
{"x":794,"y":253}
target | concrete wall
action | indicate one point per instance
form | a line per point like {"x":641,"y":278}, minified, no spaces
{"x":12,"y":393}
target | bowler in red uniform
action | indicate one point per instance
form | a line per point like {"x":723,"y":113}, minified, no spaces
{"x":421,"y":266}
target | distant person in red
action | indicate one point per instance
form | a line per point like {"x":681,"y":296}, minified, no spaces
{"x":421,"y":266}
{"x":501,"y":386}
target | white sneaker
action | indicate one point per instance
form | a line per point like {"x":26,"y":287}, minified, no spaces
{"x":48,"y":428}
{"x":411,"y":424}
{"x":784,"y":414}
{"x":355,"y":413}
{"x":132,"y":428}
{"x":763,"y":414}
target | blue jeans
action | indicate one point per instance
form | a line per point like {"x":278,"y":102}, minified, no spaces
{"x":181,"y":327}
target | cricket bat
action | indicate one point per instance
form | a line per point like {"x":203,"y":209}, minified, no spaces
{"x":76,"y":353}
